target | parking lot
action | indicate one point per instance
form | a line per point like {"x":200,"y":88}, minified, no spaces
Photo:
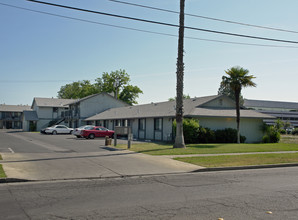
{"x":35,"y":156}
{"x":28,"y":142}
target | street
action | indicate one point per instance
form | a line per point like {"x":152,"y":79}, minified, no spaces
{"x":250,"y":194}
{"x":72,"y":178}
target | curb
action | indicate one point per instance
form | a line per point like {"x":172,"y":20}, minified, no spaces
{"x":13,"y":180}
{"x":246,"y":167}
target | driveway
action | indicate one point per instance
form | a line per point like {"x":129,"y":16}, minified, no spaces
{"x":33,"y":156}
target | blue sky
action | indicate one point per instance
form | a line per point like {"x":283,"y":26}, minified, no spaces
{"x":40,"y":53}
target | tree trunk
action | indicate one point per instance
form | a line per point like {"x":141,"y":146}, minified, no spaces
{"x":237,"y":98}
{"x":179,"y":140}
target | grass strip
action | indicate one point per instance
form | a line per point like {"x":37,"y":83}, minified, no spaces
{"x":167,"y":149}
{"x":241,"y":160}
{"x":2,"y":174}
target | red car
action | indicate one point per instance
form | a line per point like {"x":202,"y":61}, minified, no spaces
{"x":97,"y":131}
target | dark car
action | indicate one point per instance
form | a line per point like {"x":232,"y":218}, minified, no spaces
{"x":97,"y":131}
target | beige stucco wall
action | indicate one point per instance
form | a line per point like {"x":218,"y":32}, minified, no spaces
{"x":250,"y":128}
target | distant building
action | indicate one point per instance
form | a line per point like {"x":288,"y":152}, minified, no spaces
{"x":11,"y":116}
{"x":46,"y":111}
{"x":80,"y":109}
{"x":286,"y":111}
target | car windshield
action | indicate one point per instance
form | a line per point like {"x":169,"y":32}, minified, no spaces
{"x":88,"y":128}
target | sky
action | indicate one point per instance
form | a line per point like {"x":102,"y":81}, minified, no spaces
{"x":40,"y":52}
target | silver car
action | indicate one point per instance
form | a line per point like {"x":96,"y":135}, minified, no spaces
{"x":58,"y":129}
{"x":77,"y":131}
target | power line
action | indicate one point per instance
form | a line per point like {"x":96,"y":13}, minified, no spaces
{"x":144,"y":31}
{"x":163,"y":23}
{"x":34,"y":81}
{"x":204,"y":17}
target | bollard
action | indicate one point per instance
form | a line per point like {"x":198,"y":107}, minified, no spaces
{"x":106,"y":140}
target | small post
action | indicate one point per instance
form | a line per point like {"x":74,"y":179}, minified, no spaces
{"x":115,"y":138}
{"x":129,"y":137}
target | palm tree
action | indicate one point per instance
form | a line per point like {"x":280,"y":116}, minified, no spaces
{"x":237,"y":79}
{"x":179,"y":140}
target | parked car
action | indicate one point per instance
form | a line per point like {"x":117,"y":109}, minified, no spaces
{"x":77,"y":131}
{"x":97,"y":131}
{"x":58,"y":129}
{"x":289,"y":130}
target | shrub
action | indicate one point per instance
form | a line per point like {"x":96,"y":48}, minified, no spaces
{"x":295,"y":131}
{"x":190,"y":130}
{"x":272,"y":135}
{"x":206,"y":135}
{"x":283,"y":131}
{"x":228,"y":135}
{"x":266,"y":139}
{"x":193,"y":133}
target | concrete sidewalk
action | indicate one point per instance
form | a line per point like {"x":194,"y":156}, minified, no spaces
{"x":231,"y":154}
{"x":101,"y":164}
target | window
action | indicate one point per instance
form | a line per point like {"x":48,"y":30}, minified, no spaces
{"x":158,"y":124}
{"x":55,"y":109}
{"x":106,"y":123}
{"x":117,"y":122}
{"x":142,"y":124}
{"x":124,"y":122}
{"x":17,"y":114}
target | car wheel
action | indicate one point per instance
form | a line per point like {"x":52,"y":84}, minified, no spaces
{"x":91,"y":136}
{"x":54,"y":132}
{"x":70,"y":132}
{"x":78,"y":136}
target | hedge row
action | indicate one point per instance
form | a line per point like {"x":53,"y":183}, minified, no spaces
{"x":194,"y":134}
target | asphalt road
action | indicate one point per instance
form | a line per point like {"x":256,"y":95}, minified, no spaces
{"x":232,"y":195}
{"x":26,"y":142}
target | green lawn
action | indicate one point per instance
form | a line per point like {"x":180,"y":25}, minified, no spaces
{"x":167,"y":149}
{"x":2,"y":174}
{"x":241,"y":160}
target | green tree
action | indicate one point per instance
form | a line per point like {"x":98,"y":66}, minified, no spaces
{"x":237,"y":79}
{"x":279,"y":124}
{"x":184,"y":97}
{"x":77,"y":90}
{"x":179,"y":140}
{"x":113,"y":82}
{"x":116,"y":82}
{"x":226,"y":90}
{"x":129,"y":94}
